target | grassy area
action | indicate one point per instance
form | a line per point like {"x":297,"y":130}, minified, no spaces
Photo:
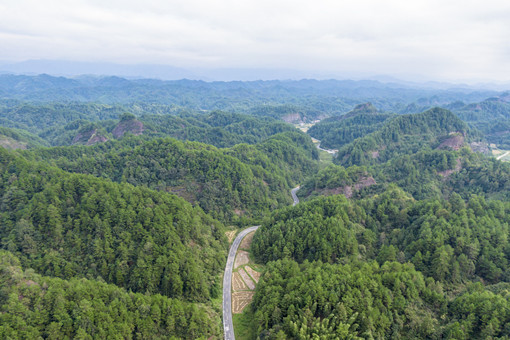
{"x":503,"y":155}
{"x":244,"y":327}
{"x":325,"y":157}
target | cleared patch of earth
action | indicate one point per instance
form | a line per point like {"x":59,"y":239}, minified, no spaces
{"x":242,"y":258}
{"x":238,"y":283}
{"x":240,"y":300}
{"x":11,"y":144}
{"x":254,"y":274}
{"x":244,"y":278}
{"x":231,"y":235}
{"x":247,"y":279}
{"x":246,"y":243}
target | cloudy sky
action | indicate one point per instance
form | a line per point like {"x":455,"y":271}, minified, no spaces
{"x":412,"y":39}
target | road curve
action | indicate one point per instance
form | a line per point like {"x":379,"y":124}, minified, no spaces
{"x":294,"y":196}
{"x":228,"y":325}
{"x":330,"y":151}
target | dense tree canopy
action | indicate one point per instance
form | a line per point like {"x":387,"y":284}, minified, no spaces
{"x":34,"y":306}
{"x":242,"y":182}
{"x":68,"y":225}
{"x":387,"y":266}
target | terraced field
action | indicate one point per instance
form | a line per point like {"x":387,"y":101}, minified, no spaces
{"x":244,"y":278}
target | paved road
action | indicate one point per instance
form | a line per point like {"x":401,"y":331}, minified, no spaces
{"x":503,"y":155}
{"x":327,"y":150}
{"x":294,"y":196}
{"x":228,"y":326}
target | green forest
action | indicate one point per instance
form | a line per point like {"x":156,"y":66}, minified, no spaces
{"x":384,"y":267}
{"x":117,"y":196}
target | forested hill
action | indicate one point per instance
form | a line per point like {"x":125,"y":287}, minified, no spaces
{"x":327,"y":96}
{"x":335,"y":132}
{"x":231,"y":184}
{"x":387,"y":266}
{"x":68,"y":225}
{"x":37,"y":117}
{"x":425,"y":174}
{"x":491,"y":116}
{"x":47,"y":307}
{"x":406,"y":134}
{"x":74,"y":226}
{"x":221,"y":129}
{"x":19,"y":139}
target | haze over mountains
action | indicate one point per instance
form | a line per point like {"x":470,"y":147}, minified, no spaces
{"x":69,"y":68}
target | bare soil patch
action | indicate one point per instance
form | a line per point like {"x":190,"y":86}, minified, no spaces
{"x":242,"y":258}
{"x":240,"y":300}
{"x":446,"y":173}
{"x":11,"y":144}
{"x":254,"y":274}
{"x":230,"y":235}
{"x":246,"y":243}
{"x":247,"y":279}
{"x":455,"y":142}
{"x":238,"y":283}
{"x":349,"y":190}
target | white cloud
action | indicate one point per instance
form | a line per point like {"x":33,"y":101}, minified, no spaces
{"x":445,"y":40}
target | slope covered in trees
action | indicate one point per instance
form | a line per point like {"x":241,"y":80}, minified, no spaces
{"x":491,"y":117}
{"x":337,"y":131}
{"x":34,"y":306}
{"x":37,"y":117}
{"x":247,"y":180}
{"x":220,"y":129}
{"x":327,"y":96}
{"x":19,"y":139}
{"x":406,"y":134}
{"x":71,"y":225}
{"x":387,"y":266}
{"x":425,"y":174}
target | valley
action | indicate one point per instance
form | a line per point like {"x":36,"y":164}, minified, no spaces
{"x":252,"y":210}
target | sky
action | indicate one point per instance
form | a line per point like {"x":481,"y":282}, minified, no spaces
{"x":447,"y":40}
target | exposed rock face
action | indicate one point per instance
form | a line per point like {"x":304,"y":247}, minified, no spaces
{"x":97,"y":138}
{"x":481,"y":147}
{"x":454,"y":142}
{"x":11,"y":144}
{"x":128,"y":126}
{"x":365,"y":108}
{"x":349,"y":190}
{"x":293,"y":118}
{"x":446,"y":173}
{"x":89,"y":137}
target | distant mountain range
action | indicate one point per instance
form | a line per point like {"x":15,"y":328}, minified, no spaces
{"x":167,"y":72}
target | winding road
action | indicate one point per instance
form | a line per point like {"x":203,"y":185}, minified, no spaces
{"x":330,"y":151}
{"x":294,"y":196}
{"x":228,"y":325}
